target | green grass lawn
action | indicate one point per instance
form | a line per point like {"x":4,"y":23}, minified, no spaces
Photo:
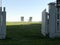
{"x":26,"y":33}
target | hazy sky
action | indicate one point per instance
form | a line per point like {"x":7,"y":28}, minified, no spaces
{"x":17,"y":8}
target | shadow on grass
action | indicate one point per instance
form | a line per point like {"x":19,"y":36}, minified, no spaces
{"x":31,"y":31}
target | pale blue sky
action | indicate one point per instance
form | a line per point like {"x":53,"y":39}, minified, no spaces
{"x":17,"y":8}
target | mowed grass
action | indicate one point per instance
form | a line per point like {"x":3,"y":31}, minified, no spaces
{"x":26,"y":33}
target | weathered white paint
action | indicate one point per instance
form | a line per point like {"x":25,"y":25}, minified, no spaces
{"x":50,"y":26}
{"x":52,"y":20}
{"x":0,"y":20}
{"x":44,"y":23}
{"x":2,"y":23}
